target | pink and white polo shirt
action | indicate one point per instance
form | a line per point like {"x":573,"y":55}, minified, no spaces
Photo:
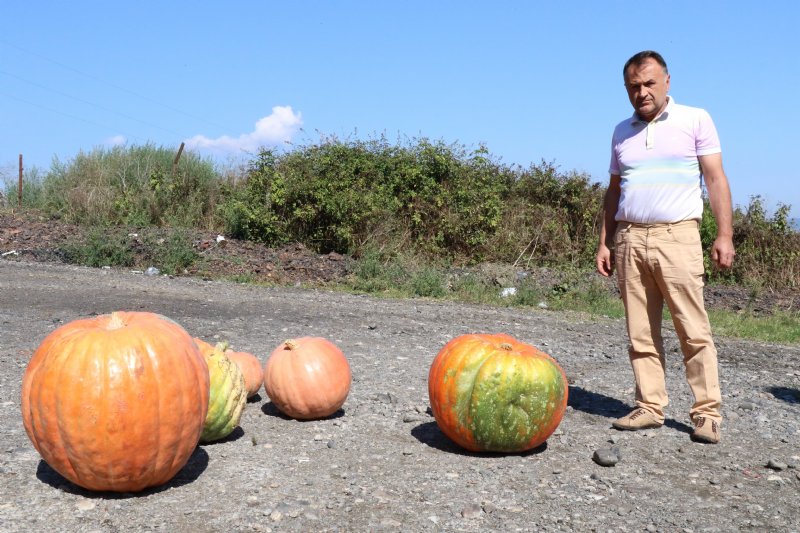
{"x":658,"y":166}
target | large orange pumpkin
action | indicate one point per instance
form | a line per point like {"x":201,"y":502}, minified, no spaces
{"x":307,"y":378}
{"x":116,"y":402}
{"x":495,"y":393}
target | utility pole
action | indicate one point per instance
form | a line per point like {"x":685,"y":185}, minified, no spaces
{"x":177,"y":157}
{"x":19,"y":189}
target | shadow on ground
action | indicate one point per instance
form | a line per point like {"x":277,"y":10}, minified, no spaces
{"x":197,"y":464}
{"x":785,"y":394}
{"x":599,"y":404}
{"x":234,"y":435}
{"x":428,"y":433}
{"x":270,"y":409}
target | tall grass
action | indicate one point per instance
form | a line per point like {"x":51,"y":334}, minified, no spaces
{"x":133,"y":186}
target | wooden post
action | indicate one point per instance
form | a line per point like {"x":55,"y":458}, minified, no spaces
{"x":19,"y":189}
{"x":177,"y":157}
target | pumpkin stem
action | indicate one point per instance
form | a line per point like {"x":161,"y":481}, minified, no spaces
{"x":115,"y":322}
{"x":222,"y":346}
{"x":506,"y":346}
{"x":290,"y":344}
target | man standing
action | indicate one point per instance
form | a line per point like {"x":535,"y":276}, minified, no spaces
{"x":650,"y":234}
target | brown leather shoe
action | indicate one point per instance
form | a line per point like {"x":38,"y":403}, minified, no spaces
{"x":706,"y":430}
{"x":637,"y":419}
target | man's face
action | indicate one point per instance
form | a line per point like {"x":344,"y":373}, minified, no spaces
{"x":647,"y":85}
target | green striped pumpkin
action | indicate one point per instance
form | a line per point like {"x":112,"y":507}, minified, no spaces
{"x":491,"y":392}
{"x":227,"y":396}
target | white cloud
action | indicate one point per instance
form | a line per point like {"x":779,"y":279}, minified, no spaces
{"x":271,"y":130}
{"x":116,"y":140}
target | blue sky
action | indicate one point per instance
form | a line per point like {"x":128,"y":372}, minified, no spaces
{"x":531,"y":81}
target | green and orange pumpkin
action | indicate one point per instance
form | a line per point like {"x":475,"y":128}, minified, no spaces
{"x":227,"y":396}
{"x":116,"y":402}
{"x":491,"y":392}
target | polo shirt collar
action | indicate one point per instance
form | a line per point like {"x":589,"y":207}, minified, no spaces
{"x":662,"y":116}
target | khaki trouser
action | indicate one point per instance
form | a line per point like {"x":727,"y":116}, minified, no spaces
{"x":664,"y":263}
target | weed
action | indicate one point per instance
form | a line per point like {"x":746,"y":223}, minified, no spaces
{"x":471,"y":288}
{"x":245,"y":278}
{"x":428,"y":282}
{"x":175,"y":253}
{"x":101,"y":248}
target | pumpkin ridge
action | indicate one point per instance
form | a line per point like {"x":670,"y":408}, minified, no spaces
{"x":170,"y":407}
{"x":466,"y":416}
{"x":44,"y":403}
{"x":464,"y":369}
{"x":227,"y":399}
{"x":156,"y":464}
{"x":65,"y":437}
{"x":78,"y":437}
{"x":105,"y":340}
{"x":107,"y":368}
{"x":190,"y":434}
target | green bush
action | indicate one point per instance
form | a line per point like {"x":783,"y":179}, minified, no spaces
{"x":101,"y":248}
{"x":418,"y":198}
{"x":767,"y":248}
{"x":174,"y":253}
{"x":428,"y":282}
{"x":342,"y":196}
{"x":562,"y":215}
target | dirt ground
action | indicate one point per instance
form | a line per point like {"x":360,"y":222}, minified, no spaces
{"x":381,"y":463}
{"x":39,"y":239}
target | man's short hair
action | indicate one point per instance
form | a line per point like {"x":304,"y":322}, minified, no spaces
{"x":643,"y":56}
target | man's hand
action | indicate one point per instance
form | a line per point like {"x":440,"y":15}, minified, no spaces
{"x":719,"y":196}
{"x":722,"y":252}
{"x":605,"y":260}
{"x":605,"y":256}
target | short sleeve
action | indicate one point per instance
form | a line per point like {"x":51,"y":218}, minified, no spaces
{"x":613,"y":166}
{"x":706,"y":140}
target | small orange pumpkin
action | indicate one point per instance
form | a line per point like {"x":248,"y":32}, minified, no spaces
{"x":248,"y":364}
{"x":251,"y":369}
{"x":116,"y":402}
{"x":307,"y":378}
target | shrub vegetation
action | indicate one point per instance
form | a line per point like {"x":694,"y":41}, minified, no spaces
{"x":442,"y":204}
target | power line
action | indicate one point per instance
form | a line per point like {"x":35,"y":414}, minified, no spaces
{"x":51,"y":110}
{"x":115,"y":86}
{"x":98,"y":106}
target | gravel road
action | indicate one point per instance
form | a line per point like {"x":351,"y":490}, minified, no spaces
{"x":381,"y":464}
